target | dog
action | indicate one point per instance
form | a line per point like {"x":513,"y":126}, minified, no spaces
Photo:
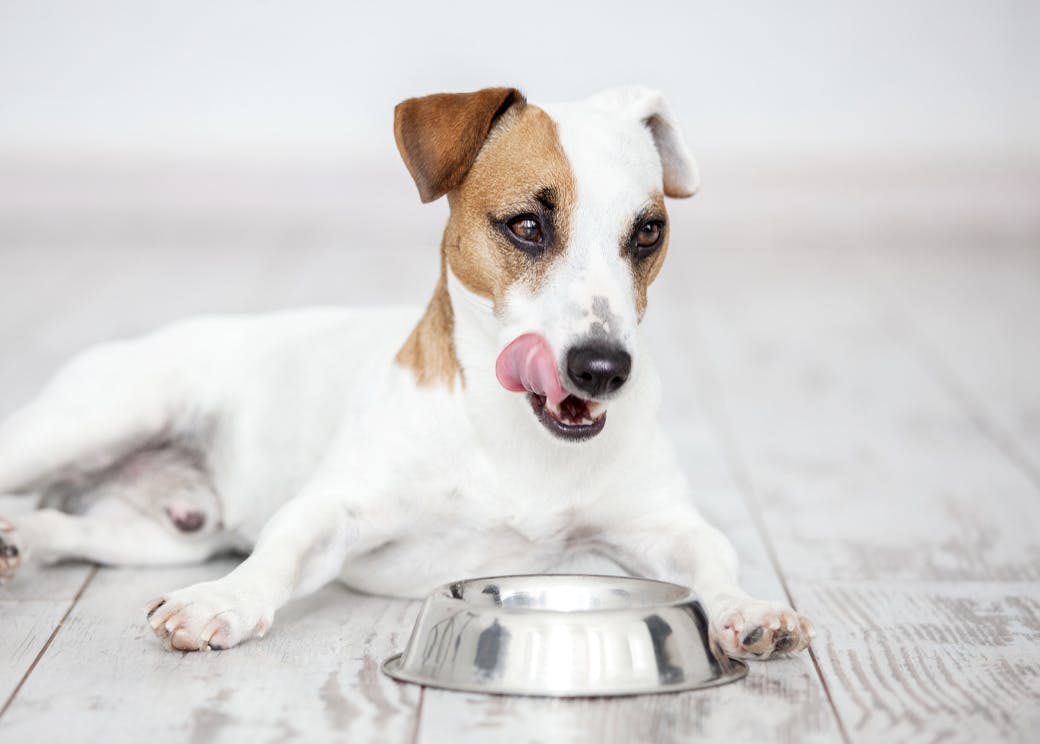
{"x":511,"y":423}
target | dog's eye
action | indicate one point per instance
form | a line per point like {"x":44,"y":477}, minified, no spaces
{"x":648,"y":236}
{"x":527,"y":228}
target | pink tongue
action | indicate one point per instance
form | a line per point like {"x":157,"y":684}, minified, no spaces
{"x":528,"y":363}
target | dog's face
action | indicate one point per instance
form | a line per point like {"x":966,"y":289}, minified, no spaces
{"x":558,"y":219}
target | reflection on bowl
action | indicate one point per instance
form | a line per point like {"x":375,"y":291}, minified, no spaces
{"x":562,"y":635}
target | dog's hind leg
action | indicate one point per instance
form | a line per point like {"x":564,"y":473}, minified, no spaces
{"x":155,"y":507}
{"x":169,"y":482}
{"x":107,"y":402}
{"x":113,"y":533}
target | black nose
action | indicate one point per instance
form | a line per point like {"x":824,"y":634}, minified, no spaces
{"x":597,"y":368}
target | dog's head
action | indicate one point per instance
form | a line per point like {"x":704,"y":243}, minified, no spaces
{"x":558,"y":224}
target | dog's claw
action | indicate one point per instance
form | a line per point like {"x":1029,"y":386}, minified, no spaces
{"x":152,"y":606}
{"x":783,"y":643}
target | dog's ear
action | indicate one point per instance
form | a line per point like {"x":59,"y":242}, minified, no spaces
{"x":439,"y":136}
{"x":681,"y":177}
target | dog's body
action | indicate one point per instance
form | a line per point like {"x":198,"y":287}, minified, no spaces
{"x":328,"y":448}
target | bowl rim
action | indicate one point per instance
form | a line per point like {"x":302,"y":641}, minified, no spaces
{"x":684,"y":595}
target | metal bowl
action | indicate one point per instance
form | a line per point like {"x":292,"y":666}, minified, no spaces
{"x":562,"y":636}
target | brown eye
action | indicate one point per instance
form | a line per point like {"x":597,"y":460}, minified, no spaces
{"x":527,"y":228}
{"x":648,"y":235}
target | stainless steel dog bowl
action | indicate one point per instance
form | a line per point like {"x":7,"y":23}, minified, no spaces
{"x":564,"y":636}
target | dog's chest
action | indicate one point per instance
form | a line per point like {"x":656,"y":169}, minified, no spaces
{"x":450,"y":547}
{"x":473,"y":519}
{"x":519,"y":506}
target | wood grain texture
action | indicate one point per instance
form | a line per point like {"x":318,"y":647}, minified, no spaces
{"x":901,"y":526}
{"x":31,"y":609}
{"x":315,"y":677}
{"x":780,"y":701}
{"x":25,"y":627}
{"x":930,"y":661}
{"x":864,"y":466}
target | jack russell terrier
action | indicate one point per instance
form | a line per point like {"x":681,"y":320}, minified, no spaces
{"x":510,"y":424}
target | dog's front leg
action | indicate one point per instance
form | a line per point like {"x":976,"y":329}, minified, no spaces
{"x":301,"y":549}
{"x":683,"y":548}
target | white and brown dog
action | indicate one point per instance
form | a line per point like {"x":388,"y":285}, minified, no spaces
{"x":507,"y":426}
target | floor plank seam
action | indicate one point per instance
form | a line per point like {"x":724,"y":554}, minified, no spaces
{"x":718,"y":416}
{"x":418,"y":716}
{"x":827,"y":690}
{"x":54,"y":634}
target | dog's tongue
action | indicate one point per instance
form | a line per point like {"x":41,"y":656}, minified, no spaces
{"x":528,"y":363}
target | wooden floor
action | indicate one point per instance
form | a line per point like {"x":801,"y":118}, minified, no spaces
{"x":854,"y":388}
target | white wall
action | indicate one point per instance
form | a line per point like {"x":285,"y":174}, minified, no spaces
{"x":319,"y":79}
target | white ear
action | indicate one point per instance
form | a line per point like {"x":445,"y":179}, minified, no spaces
{"x":650,"y":106}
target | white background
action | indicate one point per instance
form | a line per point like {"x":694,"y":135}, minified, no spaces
{"x":300,"y":81}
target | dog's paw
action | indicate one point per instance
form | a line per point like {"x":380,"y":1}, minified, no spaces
{"x":10,"y":551}
{"x":753,"y":629}
{"x":211,"y":615}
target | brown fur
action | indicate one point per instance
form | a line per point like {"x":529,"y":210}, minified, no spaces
{"x":644,"y":272}
{"x":429,"y":350}
{"x":520,"y":158}
{"x":439,"y":136}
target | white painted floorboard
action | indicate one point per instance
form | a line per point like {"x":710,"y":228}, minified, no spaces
{"x":315,"y":677}
{"x":899,"y":524}
{"x":856,"y":404}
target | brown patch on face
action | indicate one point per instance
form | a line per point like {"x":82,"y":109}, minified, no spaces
{"x":645,"y":270}
{"x":429,"y":350}
{"x":522,"y":169}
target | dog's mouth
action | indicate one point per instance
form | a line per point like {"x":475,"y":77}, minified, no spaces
{"x":528,"y":365}
{"x":573,"y":418}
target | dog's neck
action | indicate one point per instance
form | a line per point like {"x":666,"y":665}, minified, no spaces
{"x":429,"y":350}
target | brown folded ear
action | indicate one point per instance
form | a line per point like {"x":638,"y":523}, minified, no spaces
{"x":439,"y":136}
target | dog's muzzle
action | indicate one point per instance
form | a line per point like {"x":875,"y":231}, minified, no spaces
{"x":528,"y":364}
{"x":598,"y":369}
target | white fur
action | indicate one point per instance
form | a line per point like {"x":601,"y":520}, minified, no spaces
{"x":330,"y":462}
